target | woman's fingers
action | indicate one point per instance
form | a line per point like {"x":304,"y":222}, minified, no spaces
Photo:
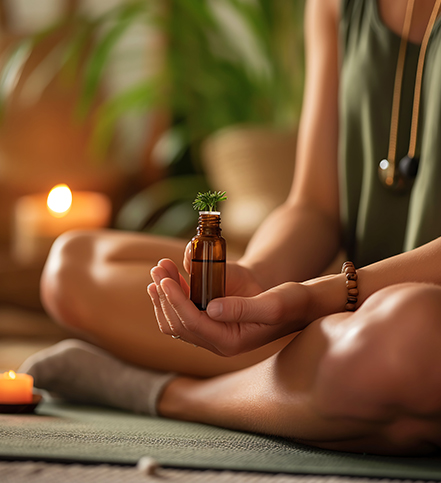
{"x":169,"y":320}
{"x":172,"y":270}
{"x":218,"y":337}
{"x":159,"y":300}
{"x":184,"y":318}
{"x":170,"y":267}
{"x":160,"y":317}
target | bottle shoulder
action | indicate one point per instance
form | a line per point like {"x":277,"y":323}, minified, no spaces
{"x":208,"y":238}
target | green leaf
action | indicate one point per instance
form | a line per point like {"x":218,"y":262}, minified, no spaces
{"x":100,"y":55}
{"x":199,"y":13}
{"x":137,"y":98}
{"x":12,"y":70}
{"x":208,"y":201}
{"x":257,"y":17}
{"x":77,"y":46}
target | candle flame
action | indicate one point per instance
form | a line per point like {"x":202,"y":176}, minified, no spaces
{"x":59,"y":200}
{"x":12,"y":375}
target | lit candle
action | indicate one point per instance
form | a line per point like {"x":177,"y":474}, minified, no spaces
{"x":16,"y":388}
{"x":40,"y":218}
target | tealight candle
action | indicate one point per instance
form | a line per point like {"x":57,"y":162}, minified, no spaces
{"x":41,"y":218}
{"x":16,"y":388}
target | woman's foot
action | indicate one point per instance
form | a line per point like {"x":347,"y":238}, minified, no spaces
{"x":80,"y":372}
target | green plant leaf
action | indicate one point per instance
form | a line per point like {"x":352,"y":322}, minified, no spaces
{"x":12,"y":70}
{"x":208,"y":201}
{"x":100,"y":54}
{"x":83,"y":29}
{"x":199,"y":13}
{"x":138,"y":98}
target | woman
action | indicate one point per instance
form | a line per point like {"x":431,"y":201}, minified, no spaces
{"x":356,"y":381}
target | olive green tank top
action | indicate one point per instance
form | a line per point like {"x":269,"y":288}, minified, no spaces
{"x":379,"y":223}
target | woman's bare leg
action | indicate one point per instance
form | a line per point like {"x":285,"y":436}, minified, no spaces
{"x":94,"y":283}
{"x":365,"y":382}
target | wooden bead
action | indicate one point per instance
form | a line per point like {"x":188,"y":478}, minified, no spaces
{"x":348,"y":268}
{"x":348,"y":263}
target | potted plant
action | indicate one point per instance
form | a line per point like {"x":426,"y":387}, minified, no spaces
{"x":225,"y":63}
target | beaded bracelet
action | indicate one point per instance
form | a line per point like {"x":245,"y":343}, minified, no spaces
{"x":349,"y":270}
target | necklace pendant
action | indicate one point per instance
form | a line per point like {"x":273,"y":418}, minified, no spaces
{"x":389,"y":177}
{"x":408,"y":167}
{"x":386,"y":173}
{"x":398,"y":180}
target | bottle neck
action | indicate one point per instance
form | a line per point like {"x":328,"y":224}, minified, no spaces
{"x":209,"y":223}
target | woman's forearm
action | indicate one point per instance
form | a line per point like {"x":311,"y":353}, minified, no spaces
{"x":328,"y":294}
{"x":294,"y":243}
{"x":419,"y":265}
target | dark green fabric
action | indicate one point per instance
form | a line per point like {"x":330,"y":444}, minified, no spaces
{"x":378,"y":223}
{"x":69,"y":433}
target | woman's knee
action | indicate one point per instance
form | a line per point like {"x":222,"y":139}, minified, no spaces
{"x":66,"y":275}
{"x":380,"y":360}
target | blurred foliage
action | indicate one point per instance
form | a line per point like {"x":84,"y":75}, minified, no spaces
{"x":209,"y":79}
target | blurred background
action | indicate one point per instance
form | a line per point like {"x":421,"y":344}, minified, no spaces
{"x":136,"y":105}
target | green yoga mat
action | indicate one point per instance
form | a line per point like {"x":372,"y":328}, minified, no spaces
{"x":68,"y":433}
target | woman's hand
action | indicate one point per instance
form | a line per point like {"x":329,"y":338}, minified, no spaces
{"x":231,"y":325}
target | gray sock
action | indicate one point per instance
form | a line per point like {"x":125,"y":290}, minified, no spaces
{"x":81,"y":372}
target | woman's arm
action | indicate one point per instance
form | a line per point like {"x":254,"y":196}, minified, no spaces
{"x":300,"y":239}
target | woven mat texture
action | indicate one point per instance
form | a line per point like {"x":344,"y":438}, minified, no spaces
{"x":66,"y":433}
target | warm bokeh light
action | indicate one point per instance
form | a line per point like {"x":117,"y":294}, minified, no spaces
{"x":11,"y":375}
{"x":59,"y":200}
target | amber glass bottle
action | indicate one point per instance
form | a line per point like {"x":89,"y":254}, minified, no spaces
{"x":208,"y":260}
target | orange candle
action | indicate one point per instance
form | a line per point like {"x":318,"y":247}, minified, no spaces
{"x":39,"y":219}
{"x":16,"y":388}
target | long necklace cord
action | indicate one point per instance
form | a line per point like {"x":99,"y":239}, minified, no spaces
{"x":419,"y":79}
{"x":397,"y":86}
{"x":388,"y":166}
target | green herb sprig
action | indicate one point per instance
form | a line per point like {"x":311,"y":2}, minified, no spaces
{"x":209,"y":200}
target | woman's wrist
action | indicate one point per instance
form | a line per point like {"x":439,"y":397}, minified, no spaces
{"x":327,"y":295}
